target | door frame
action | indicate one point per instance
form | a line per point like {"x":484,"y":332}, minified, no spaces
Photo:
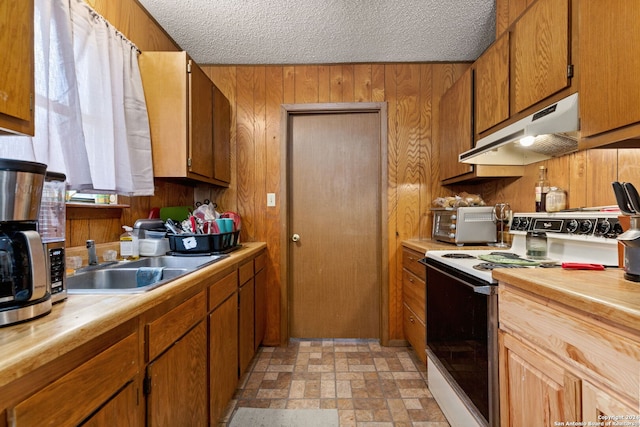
{"x":287,"y":111}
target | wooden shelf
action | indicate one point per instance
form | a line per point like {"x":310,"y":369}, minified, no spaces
{"x":94,"y":210}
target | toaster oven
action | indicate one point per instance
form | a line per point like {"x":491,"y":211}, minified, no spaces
{"x":471,"y":224}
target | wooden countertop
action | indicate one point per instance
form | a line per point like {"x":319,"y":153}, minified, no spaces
{"x":27,"y":346}
{"x":423,"y":245}
{"x":604,"y":295}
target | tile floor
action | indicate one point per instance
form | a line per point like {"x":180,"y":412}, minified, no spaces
{"x":370,"y":385}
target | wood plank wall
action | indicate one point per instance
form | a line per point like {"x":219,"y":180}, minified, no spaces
{"x":256,"y":94}
{"x":412,"y":92}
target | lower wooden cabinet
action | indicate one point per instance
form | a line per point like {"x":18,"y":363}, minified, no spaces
{"x":537,"y":389}
{"x":414,"y":301}
{"x":176,"y":364}
{"x":77,"y":396}
{"x":246,"y":344}
{"x":260,"y":300}
{"x":223,"y":344}
{"x":122,"y":407}
{"x":558,"y":364}
{"x":176,"y":385}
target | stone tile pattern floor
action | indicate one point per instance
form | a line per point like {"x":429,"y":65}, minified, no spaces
{"x":370,"y":385}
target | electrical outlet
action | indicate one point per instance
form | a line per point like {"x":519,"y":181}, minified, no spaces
{"x":271,"y":200}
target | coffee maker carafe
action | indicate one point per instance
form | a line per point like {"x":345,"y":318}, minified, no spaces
{"x":24,"y":283}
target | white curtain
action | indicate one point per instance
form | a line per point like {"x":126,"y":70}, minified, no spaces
{"x":91,"y":117}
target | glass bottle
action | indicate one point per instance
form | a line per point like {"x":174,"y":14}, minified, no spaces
{"x":542,"y":188}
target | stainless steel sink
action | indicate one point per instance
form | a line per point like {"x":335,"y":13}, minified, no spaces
{"x":122,"y":277}
{"x":190,"y":262}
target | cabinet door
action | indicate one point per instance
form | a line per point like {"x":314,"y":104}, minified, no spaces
{"x":200,"y":120}
{"x":79,"y":393}
{"x":492,"y":85}
{"x":599,"y":406}
{"x":221,"y":137}
{"x":609,"y":59}
{"x":456,"y":127}
{"x":246,"y":325}
{"x":223,"y":354}
{"x":534,"y":390}
{"x":177,"y":383}
{"x":540,"y":54}
{"x":260,"y":307}
{"x":122,"y":407}
{"x":17,"y":69}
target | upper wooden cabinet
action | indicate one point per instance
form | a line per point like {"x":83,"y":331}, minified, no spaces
{"x":456,"y":126}
{"x":492,"y":85}
{"x":17,"y":69}
{"x":540,"y":55}
{"x":609,"y":48}
{"x":183,"y":105}
{"x":221,"y":137}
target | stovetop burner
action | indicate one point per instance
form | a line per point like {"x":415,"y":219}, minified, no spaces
{"x":458,"y":256}
{"x":505,"y":254}
{"x":489,"y":266}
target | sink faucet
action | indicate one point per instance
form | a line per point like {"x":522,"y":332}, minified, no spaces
{"x":93,"y":258}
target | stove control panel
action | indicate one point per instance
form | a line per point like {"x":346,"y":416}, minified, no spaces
{"x":597,"y":224}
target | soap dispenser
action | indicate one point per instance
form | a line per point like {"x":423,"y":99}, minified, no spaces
{"x":129,"y":244}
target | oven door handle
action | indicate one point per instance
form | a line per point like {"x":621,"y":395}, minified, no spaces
{"x":484,"y":290}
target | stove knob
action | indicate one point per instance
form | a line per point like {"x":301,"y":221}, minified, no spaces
{"x":452,"y":226}
{"x":524,"y":224}
{"x":572,"y":226}
{"x":515,"y":224}
{"x":452,"y":235}
{"x":454,"y":216}
{"x":603,"y":227}
{"x":617,"y":228}
{"x":586,"y":226}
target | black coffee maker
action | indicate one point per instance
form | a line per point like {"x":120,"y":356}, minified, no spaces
{"x":24,"y":283}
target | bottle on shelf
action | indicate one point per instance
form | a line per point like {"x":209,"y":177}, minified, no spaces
{"x":542,"y":188}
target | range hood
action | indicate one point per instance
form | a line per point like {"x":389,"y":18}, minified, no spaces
{"x":554,"y":128}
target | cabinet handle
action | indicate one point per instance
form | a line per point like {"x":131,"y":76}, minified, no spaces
{"x":411,"y":279}
{"x":411,"y":319}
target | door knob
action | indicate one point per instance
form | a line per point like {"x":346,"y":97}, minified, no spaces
{"x":295,"y":238}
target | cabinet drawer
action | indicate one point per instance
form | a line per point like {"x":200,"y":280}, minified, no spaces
{"x":413,"y":293}
{"x":167,"y":329}
{"x":260,"y":262}
{"x":577,"y":340}
{"x":77,"y":394}
{"x":415,"y":332}
{"x":246,"y":272}
{"x":410,"y":262}
{"x":220,"y":291}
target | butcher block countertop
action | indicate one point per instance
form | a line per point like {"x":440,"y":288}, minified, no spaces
{"x":423,"y":245}
{"x":603,"y":295}
{"x":80,"y":318}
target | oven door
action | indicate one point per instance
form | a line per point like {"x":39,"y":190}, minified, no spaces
{"x":462,"y":335}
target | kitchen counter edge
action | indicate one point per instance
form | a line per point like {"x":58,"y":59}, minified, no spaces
{"x":74,"y":322}
{"x":603,"y":295}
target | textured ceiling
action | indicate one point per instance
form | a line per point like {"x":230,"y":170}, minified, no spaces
{"x":327,"y":31}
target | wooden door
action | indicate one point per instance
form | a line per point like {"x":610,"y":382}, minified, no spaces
{"x":609,"y":89}
{"x":200,"y":121}
{"x":534,"y":390}
{"x":540,"y":53}
{"x":246,"y":304}
{"x":334,"y":176}
{"x":456,"y":126}
{"x":177,"y":392}
{"x":492,"y":85}
{"x":223,"y":356}
{"x":16,"y":73}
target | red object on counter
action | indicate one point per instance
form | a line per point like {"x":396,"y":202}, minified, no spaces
{"x":581,"y":266}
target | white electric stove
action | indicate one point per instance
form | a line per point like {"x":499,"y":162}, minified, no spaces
{"x":462,"y":305}
{"x":577,"y":237}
